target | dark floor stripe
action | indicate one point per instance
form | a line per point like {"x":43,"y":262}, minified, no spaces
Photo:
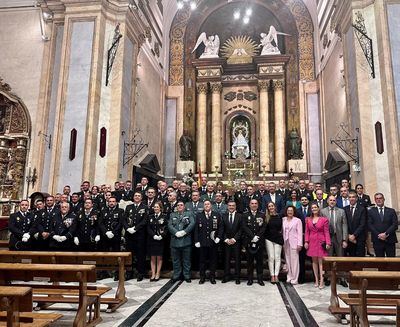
{"x":149,"y":308}
{"x":296,"y":308}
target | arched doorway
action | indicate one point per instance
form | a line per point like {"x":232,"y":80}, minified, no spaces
{"x":15,"y":129}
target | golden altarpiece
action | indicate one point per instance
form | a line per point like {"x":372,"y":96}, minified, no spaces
{"x":243,"y":107}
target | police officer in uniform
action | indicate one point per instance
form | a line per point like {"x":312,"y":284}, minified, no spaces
{"x":21,"y":228}
{"x":88,"y":232}
{"x":76,"y":206}
{"x":208,"y":233}
{"x":110,"y":223}
{"x":181,"y":225}
{"x":43,"y":220}
{"x":135,"y":233}
{"x":63,"y":228}
{"x":253,"y":228}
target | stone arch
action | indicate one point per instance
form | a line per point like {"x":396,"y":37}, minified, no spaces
{"x":15,"y":130}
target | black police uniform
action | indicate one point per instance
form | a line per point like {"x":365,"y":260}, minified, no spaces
{"x":87,"y":230}
{"x":43,"y":220}
{"x":253,"y":224}
{"x":20,"y":223}
{"x":111,"y":220}
{"x":206,"y":230}
{"x":63,"y":226}
{"x":136,"y":216}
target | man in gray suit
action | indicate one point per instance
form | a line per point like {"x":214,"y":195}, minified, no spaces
{"x":337,"y":229}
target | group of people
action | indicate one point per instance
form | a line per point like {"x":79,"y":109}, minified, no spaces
{"x":197,"y":224}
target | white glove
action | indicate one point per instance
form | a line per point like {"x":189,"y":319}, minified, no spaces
{"x":63,"y":238}
{"x":24,"y":239}
{"x":197,"y":245}
{"x":97,"y":238}
{"x":226,"y":240}
{"x":217,"y":240}
{"x":76,"y":241}
{"x":110,"y":234}
{"x":255,"y":239}
{"x":36,"y":235}
{"x":155,"y":237}
{"x":180,"y":233}
{"x":159,"y":237}
{"x":131,"y":230}
{"x":27,"y":236}
{"x":56,"y":237}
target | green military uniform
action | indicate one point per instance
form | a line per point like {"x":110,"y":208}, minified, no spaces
{"x":181,"y":223}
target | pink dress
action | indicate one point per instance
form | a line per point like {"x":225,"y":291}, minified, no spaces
{"x":315,"y":235}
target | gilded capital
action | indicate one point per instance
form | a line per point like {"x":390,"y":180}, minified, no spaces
{"x":216,"y":87}
{"x":263,"y":85}
{"x":278,"y":84}
{"x":202,"y":88}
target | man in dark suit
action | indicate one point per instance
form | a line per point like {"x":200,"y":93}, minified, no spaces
{"x":232,"y":233}
{"x":356,"y":223}
{"x":383,"y":223}
{"x":208,"y":232}
{"x":302,"y":213}
{"x":363,"y":199}
{"x":343,"y":200}
{"x":272,"y":196}
{"x":240,"y":196}
{"x":128,"y":191}
{"x":282,"y":190}
{"x":321,"y":203}
{"x":250,"y":196}
{"x":150,"y":199}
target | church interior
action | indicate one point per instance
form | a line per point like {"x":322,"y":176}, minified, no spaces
{"x":230,"y":92}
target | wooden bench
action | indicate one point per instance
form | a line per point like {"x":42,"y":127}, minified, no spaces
{"x":373,"y":280}
{"x":32,"y":319}
{"x":336,"y":267}
{"x":120,"y":261}
{"x":3,"y":244}
{"x":81,"y":274}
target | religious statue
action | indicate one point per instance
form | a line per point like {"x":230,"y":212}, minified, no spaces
{"x":268,"y":47}
{"x":240,"y":146}
{"x":294,"y":147}
{"x":185,"y":143}
{"x":211,"y":44}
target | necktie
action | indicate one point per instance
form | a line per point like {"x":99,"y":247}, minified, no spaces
{"x":218,"y":205}
{"x":305,"y":212}
{"x":230,"y":218}
{"x":319,"y":203}
{"x":381,"y":213}
{"x":333,"y":219}
{"x":195,"y":206}
{"x":352,"y":211}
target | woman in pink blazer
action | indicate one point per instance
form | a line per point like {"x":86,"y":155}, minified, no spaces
{"x":317,"y":242}
{"x":292,"y":243}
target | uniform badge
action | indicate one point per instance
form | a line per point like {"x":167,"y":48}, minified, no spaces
{"x":161,"y":221}
{"x":115,"y":215}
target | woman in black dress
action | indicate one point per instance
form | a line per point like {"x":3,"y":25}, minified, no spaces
{"x":156,"y":231}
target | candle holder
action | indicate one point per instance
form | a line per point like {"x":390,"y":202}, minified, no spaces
{"x":30,"y":179}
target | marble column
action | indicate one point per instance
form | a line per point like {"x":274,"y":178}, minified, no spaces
{"x":201,"y":132}
{"x":216,"y":142}
{"x":264,"y":125}
{"x":280,"y":127}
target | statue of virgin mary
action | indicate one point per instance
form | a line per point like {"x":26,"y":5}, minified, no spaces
{"x":240,"y":146}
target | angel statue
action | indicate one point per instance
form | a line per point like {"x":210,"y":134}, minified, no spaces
{"x":268,"y":47}
{"x":211,"y":45}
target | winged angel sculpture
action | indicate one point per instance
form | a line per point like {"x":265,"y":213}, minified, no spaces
{"x":266,"y":41}
{"x":211,"y":44}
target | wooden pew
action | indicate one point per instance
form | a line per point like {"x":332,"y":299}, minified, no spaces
{"x":3,"y":244}
{"x":31,"y":319}
{"x":55,"y":273}
{"x":374,"y":280}
{"x":13,"y":300}
{"x":341,"y":266}
{"x":120,"y":261}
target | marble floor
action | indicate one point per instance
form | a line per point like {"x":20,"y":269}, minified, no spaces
{"x":162,"y":303}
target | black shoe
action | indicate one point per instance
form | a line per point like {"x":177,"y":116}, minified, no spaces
{"x":152,"y":279}
{"x":129,"y":276}
{"x":212,"y":280}
{"x":249,"y":282}
{"x":188,"y":280}
{"x":201,"y":281}
{"x":261,"y":283}
{"x":343,"y":283}
{"x":174,"y":280}
{"x":370,"y":254}
{"x":327,"y":282}
{"x":224,"y":280}
{"x":139,"y":278}
{"x":116,"y":277}
{"x":156,"y":279}
{"x":237,"y":281}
